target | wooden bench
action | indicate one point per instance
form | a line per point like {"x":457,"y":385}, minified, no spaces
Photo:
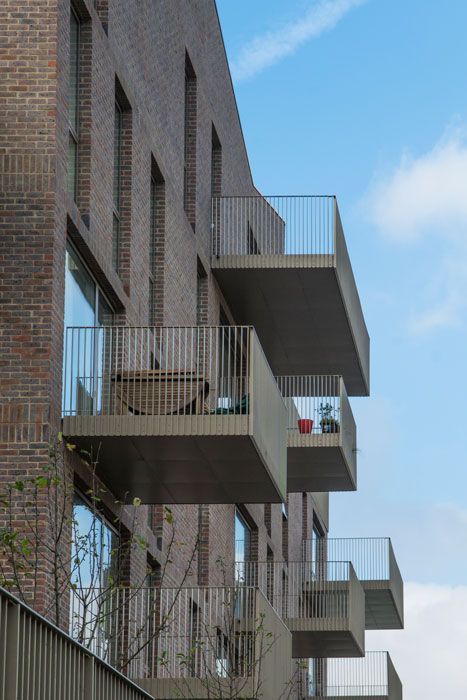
{"x":161,"y":392}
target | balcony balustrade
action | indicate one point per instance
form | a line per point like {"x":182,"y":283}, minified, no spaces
{"x":283,"y":266}
{"x":321,"y":434}
{"x":376,"y":567}
{"x":177,"y":415}
{"x":199,"y":642}
{"x":38,"y":660}
{"x":372,"y":676}
{"x":324,"y":608}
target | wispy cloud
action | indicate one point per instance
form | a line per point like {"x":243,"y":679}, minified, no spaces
{"x":425,"y":194}
{"x":429,"y":654}
{"x":423,"y":202}
{"x":267,"y":49}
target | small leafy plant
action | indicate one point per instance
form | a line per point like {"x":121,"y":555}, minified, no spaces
{"x":328,"y":422}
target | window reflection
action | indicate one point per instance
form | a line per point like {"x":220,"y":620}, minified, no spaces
{"x":85,"y":306}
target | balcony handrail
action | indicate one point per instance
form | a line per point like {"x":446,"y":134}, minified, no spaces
{"x":158,"y":370}
{"x":275,"y":225}
{"x":318,"y":398}
{"x":290,"y":587}
{"x":369,"y":676}
{"x":173,"y":632}
{"x":372,"y":557}
{"x":23,"y":627}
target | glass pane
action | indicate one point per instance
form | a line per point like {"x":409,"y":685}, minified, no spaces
{"x":104,"y":313}
{"x":78,"y":380}
{"x":74,"y":73}
{"x":94,"y":552}
{"x":72,"y":165}
{"x":242,"y":544}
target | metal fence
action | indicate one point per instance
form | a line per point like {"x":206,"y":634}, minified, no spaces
{"x":276,"y":225}
{"x":115,"y":370}
{"x":368,"y":676}
{"x":194,"y":632}
{"x":38,"y":660}
{"x":372,"y":557}
{"x":313,"y":403}
{"x":296,"y":591}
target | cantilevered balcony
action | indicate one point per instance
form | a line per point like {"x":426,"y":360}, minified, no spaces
{"x":376,"y":567}
{"x":283,"y":266}
{"x":197,"y":642}
{"x":177,"y":415}
{"x":321,"y":434}
{"x":324,"y":608}
{"x":372,"y":676}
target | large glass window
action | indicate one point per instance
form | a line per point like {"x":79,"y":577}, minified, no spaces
{"x":242,"y":546}
{"x":94,"y":564}
{"x":318,"y":551}
{"x":85,"y":309}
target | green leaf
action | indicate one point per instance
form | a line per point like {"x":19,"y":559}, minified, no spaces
{"x":136,"y":501}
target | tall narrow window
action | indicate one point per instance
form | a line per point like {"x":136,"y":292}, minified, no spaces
{"x":156,"y":246}
{"x":117,"y":185}
{"x":216,"y":165}
{"x":121,"y":222}
{"x":242,"y":547}
{"x":189,"y":181}
{"x":73,"y":103}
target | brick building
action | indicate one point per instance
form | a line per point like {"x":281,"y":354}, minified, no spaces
{"x":136,"y":254}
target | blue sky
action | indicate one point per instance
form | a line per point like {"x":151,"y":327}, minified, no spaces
{"x":368,"y":100}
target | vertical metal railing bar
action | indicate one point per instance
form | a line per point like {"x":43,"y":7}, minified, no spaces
{"x":206,"y":369}
{"x":314,"y":397}
{"x":290,"y":225}
{"x":370,"y":556}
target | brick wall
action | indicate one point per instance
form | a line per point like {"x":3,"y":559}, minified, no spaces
{"x":142,"y":46}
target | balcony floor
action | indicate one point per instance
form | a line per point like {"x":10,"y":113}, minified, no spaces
{"x":176,"y":468}
{"x":314,"y":467}
{"x":298,"y":312}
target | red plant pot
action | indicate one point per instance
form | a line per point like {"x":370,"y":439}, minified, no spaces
{"x":305,"y":425}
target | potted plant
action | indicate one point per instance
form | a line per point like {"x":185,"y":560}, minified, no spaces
{"x":328,"y":422}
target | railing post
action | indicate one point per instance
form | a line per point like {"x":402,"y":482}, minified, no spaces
{"x":12,"y":655}
{"x":335,"y":216}
{"x":89,"y":678}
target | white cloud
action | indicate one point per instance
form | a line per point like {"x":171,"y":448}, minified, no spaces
{"x":266,"y":50}
{"x":425,"y":194}
{"x":430,"y":653}
{"x":423,"y":202}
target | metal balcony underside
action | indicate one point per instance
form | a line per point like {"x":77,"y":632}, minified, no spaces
{"x":300,"y":315}
{"x":310,"y":643}
{"x":383,"y":611}
{"x":312,"y":466}
{"x":197,"y":459}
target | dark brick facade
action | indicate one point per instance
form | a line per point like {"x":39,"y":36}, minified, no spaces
{"x":135,"y":51}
